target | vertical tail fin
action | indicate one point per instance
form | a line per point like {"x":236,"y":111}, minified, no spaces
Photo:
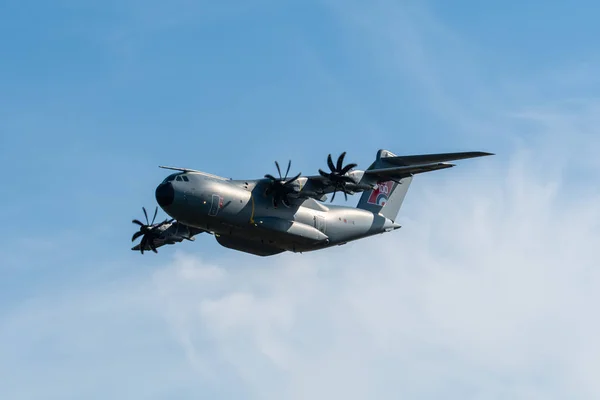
{"x":393,"y":175}
{"x":387,"y":198}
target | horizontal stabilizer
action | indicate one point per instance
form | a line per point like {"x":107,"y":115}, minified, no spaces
{"x":433,"y":158}
{"x":401,"y":172}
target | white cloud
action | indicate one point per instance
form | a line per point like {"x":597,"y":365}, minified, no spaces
{"x":487,"y":292}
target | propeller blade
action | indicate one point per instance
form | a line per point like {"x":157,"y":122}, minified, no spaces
{"x":152,"y":246}
{"x":338,"y":177}
{"x":153,"y":218}
{"x":333,"y":196}
{"x":347,"y":168}
{"x":278,"y":169}
{"x":340,"y":161}
{"x":136,"y":235}
{"x":143,"y":244}
{"x":280,"y":188}
{"x":288,"y":169}
{"x":330,"y":163}
{"x":293,"y":179}
{"x":150,"y":231}
{"x":323,"y":173}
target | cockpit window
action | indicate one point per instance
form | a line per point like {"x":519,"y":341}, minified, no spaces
{"x":169,"y":178}
{"x":176,"y":177}
{"x":173,"y":177}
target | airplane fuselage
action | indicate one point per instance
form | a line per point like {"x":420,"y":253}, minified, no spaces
{"x":243,"y":217}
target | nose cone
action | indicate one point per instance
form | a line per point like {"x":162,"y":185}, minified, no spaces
{"x":165,"y":194}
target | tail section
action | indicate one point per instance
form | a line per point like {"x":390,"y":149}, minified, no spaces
{"x":387,"y":198}
{"x":392,"y":176}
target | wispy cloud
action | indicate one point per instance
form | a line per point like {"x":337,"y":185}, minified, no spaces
{"x":486,"y":292}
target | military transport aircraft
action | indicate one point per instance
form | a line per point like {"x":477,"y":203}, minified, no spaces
{"x":275,"y":214}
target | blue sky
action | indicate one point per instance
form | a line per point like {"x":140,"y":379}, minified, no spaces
{"x":95,"y":95}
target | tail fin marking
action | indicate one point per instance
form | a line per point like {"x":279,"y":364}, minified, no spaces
{"x":386,"y":199}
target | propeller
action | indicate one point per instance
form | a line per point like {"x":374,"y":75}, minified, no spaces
{"x":149,"y":231}
{"x":338,"y":176}
{"x":281,"y":187}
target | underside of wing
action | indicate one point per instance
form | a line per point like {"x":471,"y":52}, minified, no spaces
{"x":158,"y":235}
{"x":402,"y":172}
{"x":158,"y":242}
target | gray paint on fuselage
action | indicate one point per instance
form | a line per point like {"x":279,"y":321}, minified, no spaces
{"x":245,"y":201}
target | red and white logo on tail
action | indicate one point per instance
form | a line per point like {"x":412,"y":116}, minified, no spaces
{"x":380,"y":194}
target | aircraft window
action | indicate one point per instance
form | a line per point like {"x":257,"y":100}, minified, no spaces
{"x":169,"y":178}
{"x":178,"y":178}
{"x":185,"y":178}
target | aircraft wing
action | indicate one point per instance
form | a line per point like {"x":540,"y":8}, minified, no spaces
{"x":158,"y":242}
{"x":402,"y":172}
{"x":170,"y":233}
{"x":385,"y":168}
{"x":404,"y":166}
{"x":317,"y":186}
{"x":434,"y":158}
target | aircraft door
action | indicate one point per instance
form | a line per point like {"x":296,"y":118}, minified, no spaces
{"x":320,"y":223}
{"x":217,"y":203}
